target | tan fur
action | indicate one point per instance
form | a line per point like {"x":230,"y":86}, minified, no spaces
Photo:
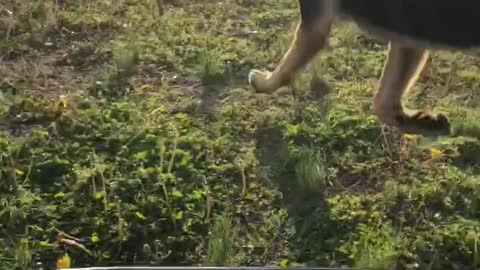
{"x":305,"y":45}
{"x":307,"y":42}
{"x":401,"y":71}
{"x":405,"y":61}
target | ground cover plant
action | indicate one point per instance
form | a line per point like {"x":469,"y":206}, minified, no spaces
{"x":129,"y":136}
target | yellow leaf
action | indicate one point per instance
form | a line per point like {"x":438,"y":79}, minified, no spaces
{"x":63,"y":262}
{"x":145,"y":87}
{"x":435,"y":153}
{"x":284,"y":263}
{"x":409,"y":137}
{"x":62,"y":103}
{"x":140,"y":216}
{"x":51,"y":207}
{"x":95,"y":238}
{"x":160,"y":109}
{"x":99,"y":195}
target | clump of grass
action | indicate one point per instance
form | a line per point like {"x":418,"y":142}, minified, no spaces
{"x":313,"y":79}
{"x":211,"y":65}
{"x":125,"y":56}
{"x":376,"y":249}
{"x":464,"y":122}
{"x":346,"y":35}
{"x":221,"y":240}
{"x":23,"y":259}
{"x":267,"y":235}
{"x":310,"y":170}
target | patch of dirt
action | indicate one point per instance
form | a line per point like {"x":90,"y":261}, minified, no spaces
{"x":44,"y":76}
{"x":359,"y":184}
{"x":49,"y":75}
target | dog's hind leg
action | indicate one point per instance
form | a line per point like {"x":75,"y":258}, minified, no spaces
{"x":310,"y":37}
{"x":401,"y":71}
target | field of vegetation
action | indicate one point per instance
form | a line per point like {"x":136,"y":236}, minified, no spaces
{"x":129,"y":136}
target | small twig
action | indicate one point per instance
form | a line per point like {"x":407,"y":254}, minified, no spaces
{"x":244,"y":181}
{"x":208,"y":209}
{"x":14,"y":175}
{"x":29,"y":172}
{"x":160,"y":7}
{"x":104,"y":186}
{"x":94,"y":186}
{"x":71,"y":242}
{"x":404,"y":151}
{"x":172,"y":158}
{"x":385,"y":140}
{"x":62,"y":233}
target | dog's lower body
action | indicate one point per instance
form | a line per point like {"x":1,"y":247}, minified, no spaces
{"x":413,"y":27}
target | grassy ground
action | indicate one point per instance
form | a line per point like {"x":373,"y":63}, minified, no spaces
{"x":137,"y":135}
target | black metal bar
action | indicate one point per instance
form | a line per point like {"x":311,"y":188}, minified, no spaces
{"x":209,"y":268}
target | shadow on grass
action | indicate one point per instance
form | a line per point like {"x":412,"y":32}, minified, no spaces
{"x":209,"y":99}
{"x":316,"y":235}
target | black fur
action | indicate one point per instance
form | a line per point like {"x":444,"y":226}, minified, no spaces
{"x":310,"y":11}
{"x":455,"y":23}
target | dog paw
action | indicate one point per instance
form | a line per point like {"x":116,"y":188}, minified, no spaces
{"x":423,"y":123}
{"x":260,"y":81}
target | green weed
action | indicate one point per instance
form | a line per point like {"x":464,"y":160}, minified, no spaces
{"x":101,"y":145}
{"x":376,"y":249}
{"x":221,"y":242}
{"x":211,"y":64}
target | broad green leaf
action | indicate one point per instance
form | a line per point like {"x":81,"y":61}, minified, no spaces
{"x":178,"y":215}
{"x":46,"y":244}
{"x":59,"y":195}
{"x":177,"y":193}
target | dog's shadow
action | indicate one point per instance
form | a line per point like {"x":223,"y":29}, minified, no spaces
{"x":314,"y":230}
{"x":209,"y":99}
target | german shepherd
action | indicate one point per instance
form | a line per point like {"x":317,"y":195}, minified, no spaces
{"x":412,"y":27}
